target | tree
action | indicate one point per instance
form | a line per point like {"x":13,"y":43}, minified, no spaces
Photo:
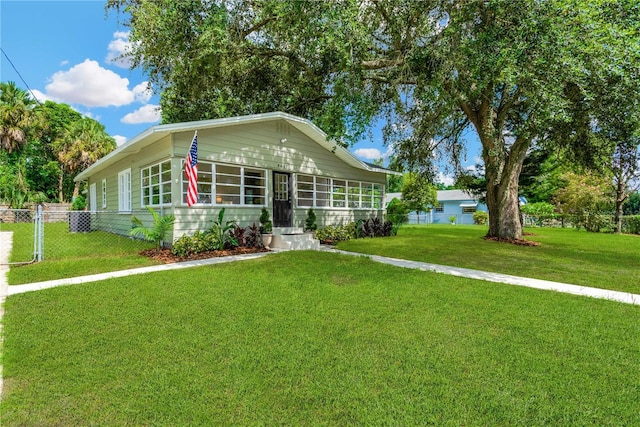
{"x":433,"y":69}
{"x":418,"y":193}
{"x":585,"y":198}
{"x":83,"y":143}
{"x":17,"y":117}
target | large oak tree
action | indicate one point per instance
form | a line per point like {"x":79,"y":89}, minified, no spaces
{"x":435,"y":68}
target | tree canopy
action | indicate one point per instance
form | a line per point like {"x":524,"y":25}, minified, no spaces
{"x":516,"y":73}
{"x":43,"y":147}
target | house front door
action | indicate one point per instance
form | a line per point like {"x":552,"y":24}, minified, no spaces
{"x":282,"y":200}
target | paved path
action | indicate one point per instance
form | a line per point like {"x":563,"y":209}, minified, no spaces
{"x":6,"y":242}
{"x":623,"y":297}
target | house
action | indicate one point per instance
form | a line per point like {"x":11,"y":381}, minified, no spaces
{"x":458,"y":203}
{"x":274,"y":160}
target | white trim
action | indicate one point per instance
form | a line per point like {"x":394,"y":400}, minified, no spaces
{"x":93,"y":197}
{"x":124,"y":190}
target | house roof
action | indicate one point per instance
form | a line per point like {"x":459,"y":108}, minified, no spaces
{"x":455,"y":195}
{"x":155,"y":133}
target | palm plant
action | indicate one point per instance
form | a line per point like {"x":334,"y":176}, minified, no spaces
{"x":82,"y":144}
{"x":221,"y":230}
{"x":157,"y":233}
{"x":17,"y":116}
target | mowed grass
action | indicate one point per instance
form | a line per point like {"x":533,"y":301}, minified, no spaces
{"x":313,"y":338}
{"x":71,"y":254}
{"x":605,"y":261}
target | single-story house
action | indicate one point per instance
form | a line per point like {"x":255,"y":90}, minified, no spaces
{"x":458,"y":203}
{"x":274,"y":160}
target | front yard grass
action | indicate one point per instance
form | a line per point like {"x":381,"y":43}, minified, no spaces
{"x":314,"y":338}
{"x":71,"y":254}
{"x":607,"y":261}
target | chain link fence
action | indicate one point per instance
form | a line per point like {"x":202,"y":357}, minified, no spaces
{"x":44,"y":233}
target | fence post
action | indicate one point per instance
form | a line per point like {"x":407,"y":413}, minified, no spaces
{"x":39,"y":234}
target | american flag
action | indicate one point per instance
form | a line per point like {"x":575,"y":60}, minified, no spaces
{"x":191,"y":170}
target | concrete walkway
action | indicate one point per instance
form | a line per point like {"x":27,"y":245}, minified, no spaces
{"x":6,"y":242}
{"x":5,"y":245}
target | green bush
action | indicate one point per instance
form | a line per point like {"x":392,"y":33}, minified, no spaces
{"x":397,"y":212}
{"x":480,"y":217}
{"x":199,"y":242}
{"x":336,"y":233}
{"x":631,"y":224}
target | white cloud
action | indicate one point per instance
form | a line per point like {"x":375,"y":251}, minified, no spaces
{"x":368,"y":153}
{"x":120,"y":139}
{"x":149,"y":113}
{"x":445,"y":179}
{"x":63,"y":63}
{"x":142,"y":92}
{"x":39,"y":96}
{"x":373,"y":153}
{"x":90,"y":85}
{"x":119,"y":49}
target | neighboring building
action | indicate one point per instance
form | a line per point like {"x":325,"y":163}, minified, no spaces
{"x":458,"y":203}
{"x":273,"y":160}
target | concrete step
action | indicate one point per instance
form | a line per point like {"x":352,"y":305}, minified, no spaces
{"x":287,"y":230}
{"x":304,"y":241}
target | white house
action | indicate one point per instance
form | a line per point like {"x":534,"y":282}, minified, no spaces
{"x":275,"y":160}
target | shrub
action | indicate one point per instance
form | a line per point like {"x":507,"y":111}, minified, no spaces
{"x":252,"y":236}
{"x":199,"y":242}
{"x":480,"y":217}
{"x":631,"y":224}
{"x":337,"y":233}
{"x":398,"y":212}
{"x":310,"y":221}
{"x":265,"y":222}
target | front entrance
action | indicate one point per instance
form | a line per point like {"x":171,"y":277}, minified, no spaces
{"x":282,"y":200}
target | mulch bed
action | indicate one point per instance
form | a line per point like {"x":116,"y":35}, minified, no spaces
{"x":165,"y":256}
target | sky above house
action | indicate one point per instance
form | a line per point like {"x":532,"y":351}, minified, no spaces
{"x":69,"y":52}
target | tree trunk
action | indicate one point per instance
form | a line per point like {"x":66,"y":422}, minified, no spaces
{"x":502,"y":173}
{"x":61,"y":187}
{"x":621,"y":197}
{"x":76,"y":190}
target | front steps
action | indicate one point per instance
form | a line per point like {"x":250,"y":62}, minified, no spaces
{"x":293,"y":239}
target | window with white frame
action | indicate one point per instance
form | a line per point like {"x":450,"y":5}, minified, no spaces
{"x":104,"y":193}
{"x":439,"y":208}
{"x":124,"y":191}
{"x":314,"y":191}
{"x":468,"y":209}
{"x":155,"y":184}
{"x":229,"y":185}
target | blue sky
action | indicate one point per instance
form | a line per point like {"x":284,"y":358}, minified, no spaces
{"x":66,"y":52}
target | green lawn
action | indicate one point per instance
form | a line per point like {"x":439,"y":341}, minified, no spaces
{"x":606,"y":261}
{"x":71,"y":254}
{"x":311,"y":338}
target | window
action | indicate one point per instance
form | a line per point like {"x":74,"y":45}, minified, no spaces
{"x":468,"y":209}
{"x":124,"y":191}
{"x":104,"y":194}
{"x":313,"y":191}
{"x":155,"y":184}
{"x":228,"y":185}
{"x":354,"y":194}
{"x":439,"y":208}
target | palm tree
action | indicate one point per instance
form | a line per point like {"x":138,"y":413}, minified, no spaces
{"x":83,"y":142}
{"x":17,"y":116}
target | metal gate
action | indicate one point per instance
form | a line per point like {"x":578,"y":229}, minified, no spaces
{"x":25,"y":224}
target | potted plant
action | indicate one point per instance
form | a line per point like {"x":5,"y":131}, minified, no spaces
{"x":79,"y":218}
{"x":452,"y":219}
{"x":310,"y":225}
{"x":266,"y":227}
